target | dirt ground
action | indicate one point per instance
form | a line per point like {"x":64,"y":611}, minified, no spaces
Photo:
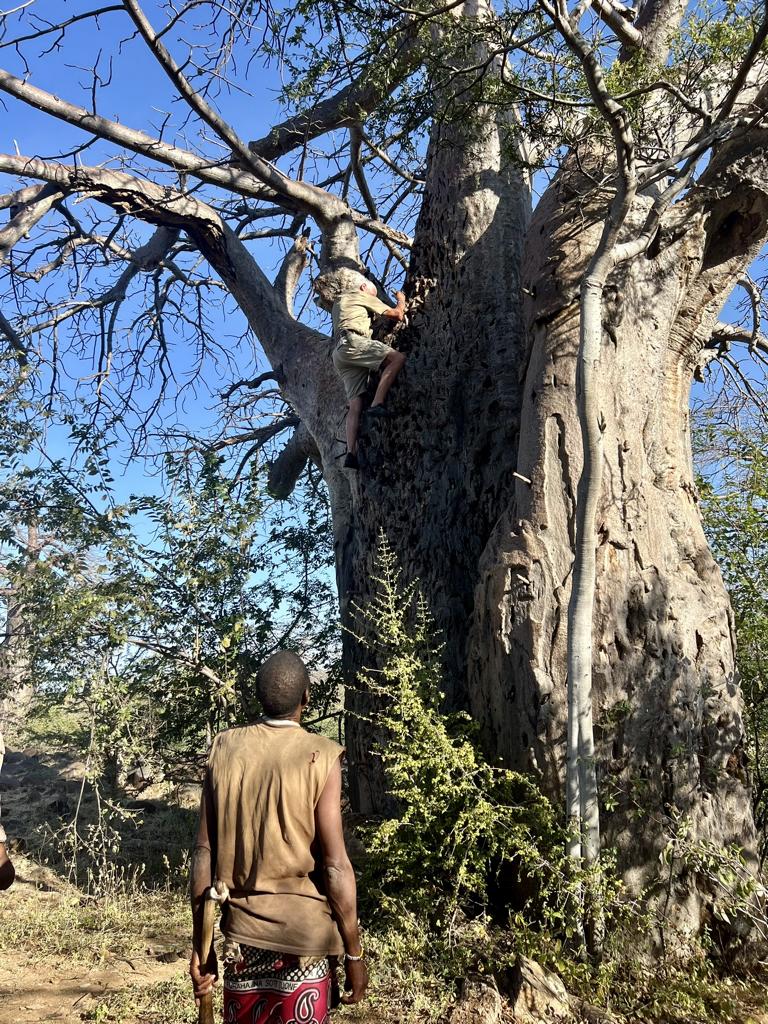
{"x":33,"y":991}
{"x":38,"y":787}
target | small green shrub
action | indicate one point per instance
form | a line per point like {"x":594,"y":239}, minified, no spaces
{"x":445,"y":872}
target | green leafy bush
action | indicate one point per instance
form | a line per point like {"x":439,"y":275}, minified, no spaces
{"x":735,"y":507}
{"x":459,"y":820}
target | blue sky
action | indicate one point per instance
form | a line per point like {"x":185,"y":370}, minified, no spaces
{"x":139,"y":95}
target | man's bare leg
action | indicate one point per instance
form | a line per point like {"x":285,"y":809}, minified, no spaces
{"x":390,"y":367}
{"x":353,"y":424}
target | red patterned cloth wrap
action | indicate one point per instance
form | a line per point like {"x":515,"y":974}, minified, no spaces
{"x":264,"y":987}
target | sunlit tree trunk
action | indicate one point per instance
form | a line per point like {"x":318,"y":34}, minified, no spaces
{"x":669,"y":732}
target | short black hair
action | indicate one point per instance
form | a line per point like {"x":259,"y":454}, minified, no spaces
{"x":281,"y":682}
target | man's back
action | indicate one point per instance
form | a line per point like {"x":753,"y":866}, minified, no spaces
{"x":265,"y":781}
{"x":271,"y":800}
{"x":353,"y":311}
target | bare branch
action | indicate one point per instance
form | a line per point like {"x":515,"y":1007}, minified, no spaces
{"x":137,"y":141}
{"x":753,"y":294}
{"x":307,"y":197}
{"x":14,"y":340}
{"x":226,"y":177}
{"x":385,"y":158}
{"x":253,"y":384}
{"x":291,"y":269}
{"x":260,"y":435}
{"x":614,"y":113}
{"x":285,"y":471}
{"x":174,"y":654}
{"x":355,"y":145}
{"x":27,"y":215}
{"x":381,"y":229}
{"x":747,"y":63}
{"x":21,"y":197}
{"x":724,"y":334}
{"x":618,"y":19}
{"x":59,"y":28}
{"x":123,"y":192}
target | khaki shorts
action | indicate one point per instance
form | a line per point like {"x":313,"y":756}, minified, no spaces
{"x":354,"y":357}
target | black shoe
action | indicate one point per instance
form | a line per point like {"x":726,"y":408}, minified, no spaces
{"x":350,"y":462}
{"x":379,"y":412}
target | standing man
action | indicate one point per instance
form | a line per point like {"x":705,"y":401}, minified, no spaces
{"x":356,"y":353}
{"x":7,"y":871}
{"x":270,"y":829}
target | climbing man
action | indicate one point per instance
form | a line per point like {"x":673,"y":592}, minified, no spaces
{"x":356,"y":353}
{"x":270,"y":830}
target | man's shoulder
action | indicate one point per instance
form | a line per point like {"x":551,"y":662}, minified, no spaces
{"x":373,"y":303}
{"x":358,"y":298}
{"x":233,"y":730}
{"x":227,"y":737}
{"x":322,"y":744}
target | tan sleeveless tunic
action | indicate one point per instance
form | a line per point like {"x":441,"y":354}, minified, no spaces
{"x":266,"y":781}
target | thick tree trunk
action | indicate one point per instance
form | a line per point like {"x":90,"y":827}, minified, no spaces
{"x":435,"y":477}
{"x":14,"y":644}
{"x":474,"y":483}
{"x":489,"y":392}
{"x":666,"y":703}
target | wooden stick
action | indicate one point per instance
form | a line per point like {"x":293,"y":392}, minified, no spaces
{"x":209,"y":917}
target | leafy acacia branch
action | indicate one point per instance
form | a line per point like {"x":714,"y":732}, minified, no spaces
{"x":351,"y":104}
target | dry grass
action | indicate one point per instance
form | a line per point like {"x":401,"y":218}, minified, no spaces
{"x":165,"y":1002}
{"x":81,"y":929}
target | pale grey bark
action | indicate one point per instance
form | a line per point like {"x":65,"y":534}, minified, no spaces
{"x":286,"y":469}
{"x":669,"y":733}
{"x":14,"y":644}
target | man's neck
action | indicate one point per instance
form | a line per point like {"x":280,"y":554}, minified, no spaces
{"x":293,"y":719}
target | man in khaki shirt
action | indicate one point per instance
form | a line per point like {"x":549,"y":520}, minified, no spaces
{"x":270,"y":830}
{"x":356,"y":353}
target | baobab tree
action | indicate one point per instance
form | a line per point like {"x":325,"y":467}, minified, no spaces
{"x":593,"y":189}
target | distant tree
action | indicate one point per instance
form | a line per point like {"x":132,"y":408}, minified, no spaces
{"x":154,"y":613}
{"x":735,"y":507}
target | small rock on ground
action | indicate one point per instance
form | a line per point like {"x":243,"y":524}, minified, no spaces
{"x":539,"y":996}
{"x":480,"y":1003}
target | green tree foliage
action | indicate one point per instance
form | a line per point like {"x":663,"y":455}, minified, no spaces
{"x":153,"y":613}
{"x":735,"y":503}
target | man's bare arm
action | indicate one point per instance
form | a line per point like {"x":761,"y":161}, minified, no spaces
{"x":341,"y":887}
{"x":398,"y":312}
{"x":203,"y":860}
